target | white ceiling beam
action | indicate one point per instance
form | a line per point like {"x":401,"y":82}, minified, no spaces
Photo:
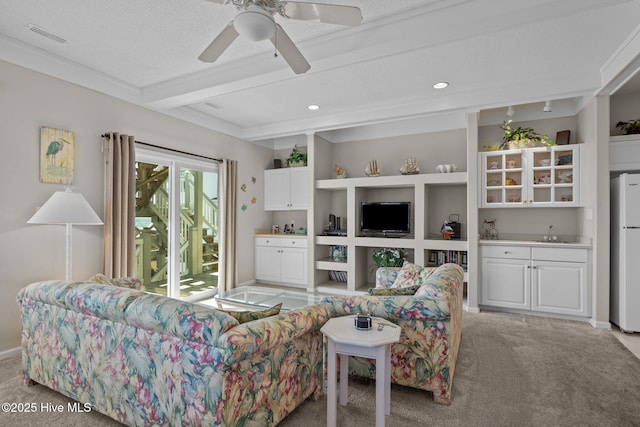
{"x":409,"y":31}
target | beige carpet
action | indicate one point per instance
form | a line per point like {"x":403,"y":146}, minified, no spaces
{"x":512,"y":371}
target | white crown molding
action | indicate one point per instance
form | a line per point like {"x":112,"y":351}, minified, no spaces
{"x":363,"y":44}
{"x":28,"y":56}
{"x":622,"y":65}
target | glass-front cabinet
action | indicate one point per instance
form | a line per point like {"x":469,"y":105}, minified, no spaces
{"x":533,"y":177}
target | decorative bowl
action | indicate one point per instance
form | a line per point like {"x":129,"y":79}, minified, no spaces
{"x":547,"y":162}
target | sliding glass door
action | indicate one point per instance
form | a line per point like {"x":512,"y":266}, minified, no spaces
{"x":177,"y":223}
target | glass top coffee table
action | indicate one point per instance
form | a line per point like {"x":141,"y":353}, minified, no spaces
{"x":258,"y":297}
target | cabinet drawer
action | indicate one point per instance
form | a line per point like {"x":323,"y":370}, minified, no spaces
{"x":559,"y":254}
{"x":282,"y":242}
{"x":509,"y":252}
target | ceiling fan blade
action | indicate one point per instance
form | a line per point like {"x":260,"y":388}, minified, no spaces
{"x":329,"y":13}
{"x":219,"y":44}
{"x":289,"y":51}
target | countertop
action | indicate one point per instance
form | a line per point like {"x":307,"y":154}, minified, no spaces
{"x":281,"y":235}
{"x":574,"y":242}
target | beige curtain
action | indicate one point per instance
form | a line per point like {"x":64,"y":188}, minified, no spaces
{"x":120,"y":203}
{"x":228,"y":199}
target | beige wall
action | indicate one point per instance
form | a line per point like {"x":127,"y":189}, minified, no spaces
{"x":28,"y":253}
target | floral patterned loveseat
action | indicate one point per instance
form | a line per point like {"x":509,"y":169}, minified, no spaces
{"x":431,"y":322}
{"x":144,"y":359}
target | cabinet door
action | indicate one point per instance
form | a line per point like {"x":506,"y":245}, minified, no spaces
{"x":503,"y":180}
{"x":268,"y":263}
{"x":277,"y":187}
{"x":554,"y":176}
{"x":560,"y":287}
{"x":299,"y":188}
{"x":294,"y":265}
{"x":506,"y":283}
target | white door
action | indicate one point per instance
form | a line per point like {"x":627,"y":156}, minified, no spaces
{"x":268,"y":263}
{"x":506,"y":283}
{"x":630,"y":280}
{"x":299,"y":188}
{"x":560,"y":287}
{"x":630,"y":188}
{"x":294,"y":265}
{"x":276,"y":189}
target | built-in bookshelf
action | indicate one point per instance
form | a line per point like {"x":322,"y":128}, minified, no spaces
{"x":343,"y":197}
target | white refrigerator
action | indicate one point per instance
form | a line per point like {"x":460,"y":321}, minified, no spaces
{"x":625,"y":252}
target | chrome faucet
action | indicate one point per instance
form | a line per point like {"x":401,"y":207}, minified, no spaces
{"x":548,"y":236}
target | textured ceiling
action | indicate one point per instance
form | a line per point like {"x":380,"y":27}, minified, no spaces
{"x":493,"y":52}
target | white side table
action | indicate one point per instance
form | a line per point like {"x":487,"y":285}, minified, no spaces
{"x":344,"y":339}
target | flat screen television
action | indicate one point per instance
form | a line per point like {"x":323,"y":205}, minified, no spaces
{"x":385,"y":218}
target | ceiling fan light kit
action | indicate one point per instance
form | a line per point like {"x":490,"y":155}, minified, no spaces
{"x":255,"y":22}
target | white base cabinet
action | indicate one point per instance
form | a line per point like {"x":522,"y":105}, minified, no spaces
{"x":540,"y":279}
{"x":281,"y":260}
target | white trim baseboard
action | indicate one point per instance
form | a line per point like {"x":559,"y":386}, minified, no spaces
{"x":11,"y":353}
{"x":599,"y":324}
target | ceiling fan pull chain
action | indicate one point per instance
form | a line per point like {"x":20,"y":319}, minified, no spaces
{"x":275,"y":41}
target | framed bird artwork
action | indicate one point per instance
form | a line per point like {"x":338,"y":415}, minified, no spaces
{"x":57,"y":152}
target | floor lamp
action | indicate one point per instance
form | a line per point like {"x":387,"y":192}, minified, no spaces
{"x":68,"y":208}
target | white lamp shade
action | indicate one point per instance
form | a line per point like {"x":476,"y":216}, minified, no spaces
{"x":66,"y":207}
{"x":255,"y":24}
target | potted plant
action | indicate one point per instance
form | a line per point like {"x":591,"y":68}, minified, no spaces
{"x":296,"y":158}
{"x":522,"y":137}
{"x":389,"y":257}
{"x":629,"y":127}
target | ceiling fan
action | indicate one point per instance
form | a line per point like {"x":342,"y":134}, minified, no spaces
{"x":255,"y":22}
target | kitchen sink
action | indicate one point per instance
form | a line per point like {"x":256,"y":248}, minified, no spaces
{"x":552,"y":241}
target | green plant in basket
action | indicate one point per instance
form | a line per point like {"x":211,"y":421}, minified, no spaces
{"x":297,"y":158}
{"x":630,"y":127}
{"x":389,"y":257}
{"x":522,"y":137}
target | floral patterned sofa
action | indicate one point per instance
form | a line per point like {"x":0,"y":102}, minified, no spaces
{"x":431,"y":322}
{"x":144,"y":359}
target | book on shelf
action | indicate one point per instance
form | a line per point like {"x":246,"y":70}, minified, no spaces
{"x":338,"y":276}
{"x":443,"y":257}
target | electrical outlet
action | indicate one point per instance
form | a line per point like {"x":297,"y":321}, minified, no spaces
{"x":588,"y":214}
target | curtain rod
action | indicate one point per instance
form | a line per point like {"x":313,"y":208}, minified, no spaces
{"x":104,"y":135}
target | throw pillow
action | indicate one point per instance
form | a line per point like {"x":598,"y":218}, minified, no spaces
{"x":407,"y":275}
{"x":247,"y":316}
{"x":407,"y":290}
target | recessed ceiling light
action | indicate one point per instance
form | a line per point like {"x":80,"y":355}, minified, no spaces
{"x":440,"y":85}
{"x":313,"y":107}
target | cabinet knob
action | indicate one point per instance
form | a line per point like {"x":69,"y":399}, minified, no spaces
{"x":507,"y":252}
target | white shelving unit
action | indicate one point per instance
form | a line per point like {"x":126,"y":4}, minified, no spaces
{"x":346,"y":195}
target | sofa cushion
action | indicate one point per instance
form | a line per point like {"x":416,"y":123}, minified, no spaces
{"x":185,"y":320}
{"x":247,"y":316}
{"x":442,"y":282}
{"x":407,"y":290}
{"x":122,"y":282}
{"x":100,"y":300}
{"x":49,"y":291}
{"x":407,"y":275}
